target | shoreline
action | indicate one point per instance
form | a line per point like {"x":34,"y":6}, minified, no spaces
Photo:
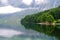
{"x":47,"y":23}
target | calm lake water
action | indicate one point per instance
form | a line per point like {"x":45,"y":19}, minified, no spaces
{"x":14,"y":34}
{"x":26,"y":32}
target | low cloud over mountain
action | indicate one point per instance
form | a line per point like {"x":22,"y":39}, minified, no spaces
{"x":40,"y":4}
{"x":34,"y":3}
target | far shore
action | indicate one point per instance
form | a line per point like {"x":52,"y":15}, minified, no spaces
{"x":49,"y":23}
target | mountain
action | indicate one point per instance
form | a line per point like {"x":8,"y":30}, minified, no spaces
{"x":14,"y":19}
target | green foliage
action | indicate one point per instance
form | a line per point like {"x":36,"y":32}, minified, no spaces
{"x":47,"y":29}
{"x":58,"y":21}
{"x":49,"y":16}
{"x":45,"y":18}
{"x":55,"y":12}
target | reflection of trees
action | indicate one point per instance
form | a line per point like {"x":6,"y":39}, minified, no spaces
{"x":47,"y":29}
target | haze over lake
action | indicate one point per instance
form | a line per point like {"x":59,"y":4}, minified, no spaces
{"x":13,"y":11}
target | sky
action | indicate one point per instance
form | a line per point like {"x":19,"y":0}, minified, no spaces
{"x":27,"y":2}
{"x":4,"y":1}
{"x":41,"y":1}
{"x":8,"y":9}
{"x":11,"y":9}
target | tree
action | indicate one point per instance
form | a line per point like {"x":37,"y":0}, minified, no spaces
{"x":45,"y":18}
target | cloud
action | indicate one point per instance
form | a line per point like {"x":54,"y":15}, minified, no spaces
{"x":41,"y":1}
{"x":4,"y":1}
{"x":27,"y":2}
{"x":9,"y":9}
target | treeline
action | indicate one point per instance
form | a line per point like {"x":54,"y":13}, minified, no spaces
{"x":50,"y":16}
{"x":45,"y":16}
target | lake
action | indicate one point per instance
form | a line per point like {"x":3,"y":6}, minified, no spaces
{"x":6,"y":34}
{"x":27,"y":32}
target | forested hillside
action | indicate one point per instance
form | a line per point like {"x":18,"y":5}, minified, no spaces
{"x":47,"y":16}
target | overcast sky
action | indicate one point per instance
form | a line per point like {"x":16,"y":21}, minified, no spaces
{"x":10,"y":9}
{"x":27,"y":2}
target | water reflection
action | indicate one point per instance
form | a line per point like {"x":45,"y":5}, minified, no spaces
{"x":49,"y":30}
{"x":28,"y":35}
